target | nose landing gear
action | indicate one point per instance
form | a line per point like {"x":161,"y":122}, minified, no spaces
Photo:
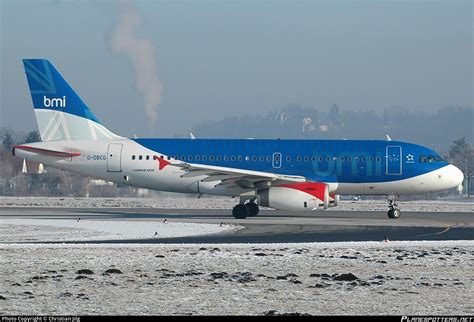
{"x":393,"y":212}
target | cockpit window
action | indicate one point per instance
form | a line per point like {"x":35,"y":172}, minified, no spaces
{"x":430,"y":158}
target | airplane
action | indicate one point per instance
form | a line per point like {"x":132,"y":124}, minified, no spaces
{"x":291,"y":175}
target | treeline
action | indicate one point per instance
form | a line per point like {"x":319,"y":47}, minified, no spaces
{"x":52,"y":182}
{"x":449,"y":131}
{"x":436,"y":129}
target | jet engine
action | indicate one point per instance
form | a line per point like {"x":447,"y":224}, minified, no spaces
{"x":304,"y":196}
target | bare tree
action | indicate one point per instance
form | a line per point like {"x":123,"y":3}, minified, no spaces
{"x":7,"y":141}
{"x":462,"y":155}
{"x":33,"y":136}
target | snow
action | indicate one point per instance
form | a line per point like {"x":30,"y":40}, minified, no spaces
{"x":12,"y":230}
{"x":164,"y":203}
{"x":396,"y":278}
{"x":415,"y":205}
{"x":393,"y":278}
{"x":224,"y":203}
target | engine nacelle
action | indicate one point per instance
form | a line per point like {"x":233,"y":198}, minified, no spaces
{"x":304,"y":196}
{"x":333,"y":200}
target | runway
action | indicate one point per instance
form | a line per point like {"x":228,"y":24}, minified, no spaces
{"x":57,"y":264}
{"x":276,"y":226}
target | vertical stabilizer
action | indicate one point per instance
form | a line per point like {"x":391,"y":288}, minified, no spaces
{"x":60,"y":112}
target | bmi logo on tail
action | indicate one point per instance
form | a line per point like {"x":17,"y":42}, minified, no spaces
{"x":54,"y":102}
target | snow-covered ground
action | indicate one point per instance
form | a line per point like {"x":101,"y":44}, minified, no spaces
{"x":166,"y":203}
{"x":223,"y":203}
{"x":402,"y":278}
{"x":28,"y":230}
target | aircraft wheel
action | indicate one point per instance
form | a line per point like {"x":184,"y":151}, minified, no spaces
{"x":240,"y":211}
{"x":252,"y":209}
{"x":394,"y":213}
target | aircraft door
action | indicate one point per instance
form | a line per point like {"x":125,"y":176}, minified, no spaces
{"x":276,"y":160}
{"x":393,"y":160}
{"x":114,"y":157}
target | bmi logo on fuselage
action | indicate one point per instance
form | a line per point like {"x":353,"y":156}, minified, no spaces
{"x":54,"y":102}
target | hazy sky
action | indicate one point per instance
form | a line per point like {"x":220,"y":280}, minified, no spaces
{"x":225,"y":58}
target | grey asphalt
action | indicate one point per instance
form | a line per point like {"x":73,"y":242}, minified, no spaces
{"x":279,"y":226}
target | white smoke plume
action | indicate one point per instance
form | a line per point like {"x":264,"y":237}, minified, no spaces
{"x":142,"y":56}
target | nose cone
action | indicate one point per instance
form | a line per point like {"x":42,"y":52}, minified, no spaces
{"x":452,"y":176}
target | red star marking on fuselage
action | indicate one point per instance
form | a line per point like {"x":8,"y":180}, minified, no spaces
{"x":162,"y":163}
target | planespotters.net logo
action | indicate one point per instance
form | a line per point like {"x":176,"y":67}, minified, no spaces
{"x":437,"y":319}
{"x":54,"y":102}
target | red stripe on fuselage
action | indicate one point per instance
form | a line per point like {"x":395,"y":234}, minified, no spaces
{"x":316,"y":189}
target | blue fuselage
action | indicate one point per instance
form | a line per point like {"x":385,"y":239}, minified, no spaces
{"x":343,"y":161}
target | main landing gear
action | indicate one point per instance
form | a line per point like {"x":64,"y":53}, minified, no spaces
{"x":393,"y":212}
{"x":242,"y":211}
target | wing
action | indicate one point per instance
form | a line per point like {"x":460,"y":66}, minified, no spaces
{"x":226,"y":176}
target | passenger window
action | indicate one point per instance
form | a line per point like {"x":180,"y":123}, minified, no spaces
{"x":218,"y":158}
{"x":190,"y":157}
{"x":198,"y":158}
{"x":342,"y":159}
{"x":226,"y":158}
{"x":356,"y":159}
{"x":232,"y":158}
{"x":183,"y":158}
{"x":133,"y":157}
{"x":211,"y":158}
{"x":349,"y":159}
{"x":371,"y":159}
{"x":288,"y":158}
{"x":378,"y":159}
{"x":306,"y":159}
{"x":313,"y":158}
{"x":148,"y":157}
{"x":239,"y":158}
{"x":298,"y":158}
{"x":204,"y":157}
{"x":168,"y":157}
{"x":363,"y":159}
{"x":422,"y":158}
{"x":247,"y":158}
{"x":261,"y":158}
{"x":254,"y":158}
{"x":328,"y":159}
{"x":320,"y":159}
{"x":140,"y":157}
{"x":269,"y":158}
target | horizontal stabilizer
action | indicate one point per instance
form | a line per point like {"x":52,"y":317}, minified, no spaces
{"x":52,"y":153}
